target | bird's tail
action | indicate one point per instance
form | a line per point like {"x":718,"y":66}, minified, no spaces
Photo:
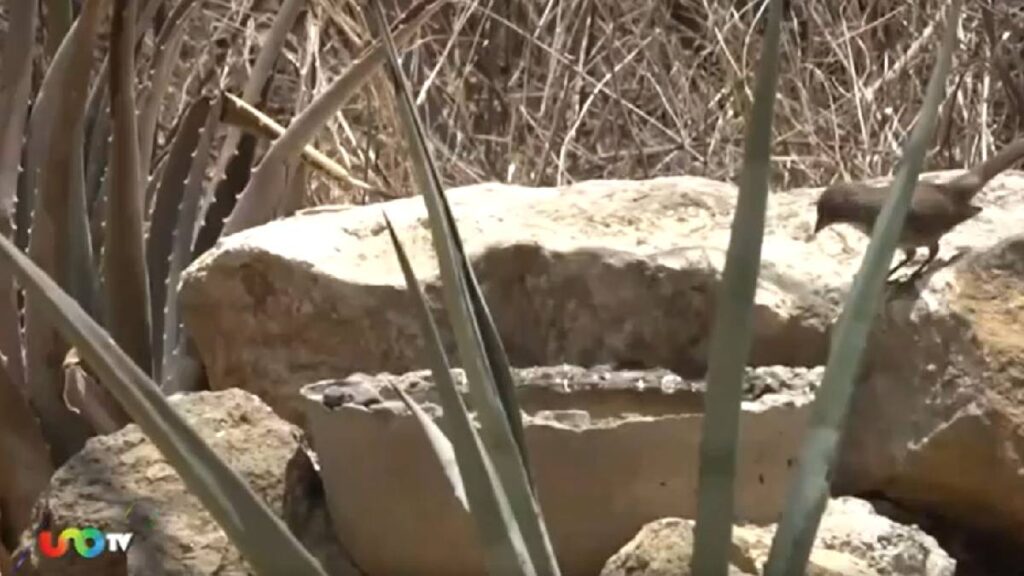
{"x":966,"y":186}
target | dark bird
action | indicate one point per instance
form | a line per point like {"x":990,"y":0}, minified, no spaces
{"x":935,"y":207}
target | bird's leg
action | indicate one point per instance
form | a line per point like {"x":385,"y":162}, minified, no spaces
{"x":933,"y":251}
{"x":908,"y":255}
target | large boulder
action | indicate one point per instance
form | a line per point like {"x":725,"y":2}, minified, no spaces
{"x":625,"y":273}
{"x":599,"y":273}
{"x":937,"y":420}
{"x":122,"y":483}
{"x":853,"y":540}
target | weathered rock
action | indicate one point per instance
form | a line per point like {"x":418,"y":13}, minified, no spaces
{"x":853,"y":540}
{"x":625,"y":273}
{"x":661,"y":548}
{"x":937,"y":421}
{"x":610,"y":451}
{"x":603,"y":272}
{"x":121,"y":483}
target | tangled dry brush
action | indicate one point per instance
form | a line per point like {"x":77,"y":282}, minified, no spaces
{"x":546,"y":92}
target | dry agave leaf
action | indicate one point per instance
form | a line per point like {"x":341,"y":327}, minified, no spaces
{"x":180,"y":369}
{"x":124,"y":267}
{"x":167,"y":213}
{"x":15,"y":74}
{"x":51,"y":168}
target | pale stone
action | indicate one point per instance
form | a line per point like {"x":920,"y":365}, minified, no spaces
{"x":853,"y":540}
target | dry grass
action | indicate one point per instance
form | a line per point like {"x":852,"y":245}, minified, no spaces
{"x":547,"y":93}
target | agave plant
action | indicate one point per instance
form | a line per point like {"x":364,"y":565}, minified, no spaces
{"x":500,"y":491}
{"x":95,"y":195}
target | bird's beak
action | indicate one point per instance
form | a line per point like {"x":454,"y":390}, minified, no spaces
{"x":818,"y":225}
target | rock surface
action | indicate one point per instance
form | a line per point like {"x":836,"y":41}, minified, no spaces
{"x":121,"y":483}
{"x":625,"y":273}
{"x":853,"y":540}
{"x":938,"y":417}
{"x":601,"y":273}
{"x":661,"y":548}
{"x":610,"y":451}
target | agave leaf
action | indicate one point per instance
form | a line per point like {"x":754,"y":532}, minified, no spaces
{"x":237,"y":152}
{"x":166,"y":52}
{"x":145,"y":17}
{"x":242,"y":115}
{"x":21,"y":440}
{"x":260,"y":536}
{"x":96,"y":145}
{"x":80,"y":274}
{"x":257,"y":83}
{"x":166,"y":214}
{"x":24,"y":459}
{"x":44,"y":110}
{"x":808,"y":494}
{"x":15,"y":85}
{"x":496,"y":433}
{"x":226,"y":192}
{"x":504,"y":549}
{"x":98,"y":96}
{"x":238,"y":172}
{"x":157,"y":175}
{"x":97,"y":227}
{"x":260,"y":200}
{"x":58,"y":22}
{"x":98,"y":131}
{"x":124,"y":267}
{"x":494,"y":348}
{"x":183,"y":370}
{"x":732,"y":332}
{"x":24,"y":195}
{"x":298,"y":183}
{"x":174,"y":377}
{"x":439,"y":443}
{"x":52,"y":167}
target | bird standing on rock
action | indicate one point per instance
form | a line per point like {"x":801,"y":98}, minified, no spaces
{"x":935,"y":208}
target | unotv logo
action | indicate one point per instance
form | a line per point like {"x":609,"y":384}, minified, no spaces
{"x":88,"y":542}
